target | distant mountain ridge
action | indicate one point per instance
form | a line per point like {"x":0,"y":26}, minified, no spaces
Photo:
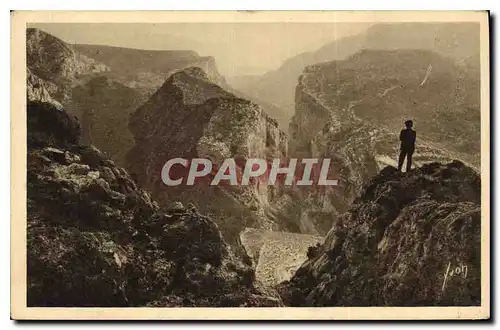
{"x":147,"y":70}
{"x":102,"y":85}
{"x":458,"y":41}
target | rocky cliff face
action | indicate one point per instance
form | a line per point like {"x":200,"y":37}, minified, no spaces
{"x":102,"y":85}
{"x":280,"y":115}
{"x":351,"y":111}
{"x":387,"y":87}
{"x":56,"y":63}
{"x":146,"y":70}
{"x":96,"y":239}
{"x":409,"y":239}
{"x":191,"y":117}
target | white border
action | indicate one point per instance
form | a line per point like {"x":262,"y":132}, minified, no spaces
{"x":312,"y":4}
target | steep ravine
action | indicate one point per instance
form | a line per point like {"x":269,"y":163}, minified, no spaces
{"x":192,"y":117}
{"x":119,"y":233}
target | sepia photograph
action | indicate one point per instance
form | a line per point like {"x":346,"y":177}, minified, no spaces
{"x":260,"y":165}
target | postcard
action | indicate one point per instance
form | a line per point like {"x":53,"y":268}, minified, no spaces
{"x":265,"y":165}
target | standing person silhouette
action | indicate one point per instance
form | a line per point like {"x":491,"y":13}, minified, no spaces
{"x":407,"y":138}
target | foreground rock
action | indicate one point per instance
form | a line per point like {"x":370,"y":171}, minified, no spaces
{"x":397,"y":241}
{"x":96,"y":239}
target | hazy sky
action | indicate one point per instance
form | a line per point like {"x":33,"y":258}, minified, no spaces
{"x":239,"y":48}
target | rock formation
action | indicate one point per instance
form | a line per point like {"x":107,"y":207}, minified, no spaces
{"x":192,"y":117}
{"x":102,"y":85}
{"x":409,"y":239}
{"x":103,"y":235}
{"x":352,"y":110}
{"x":385,"y":88}
{"x":96,"y":240}
{"x":55,"y":62}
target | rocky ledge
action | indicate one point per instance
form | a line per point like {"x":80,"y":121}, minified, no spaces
{"x":409,"y":239}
